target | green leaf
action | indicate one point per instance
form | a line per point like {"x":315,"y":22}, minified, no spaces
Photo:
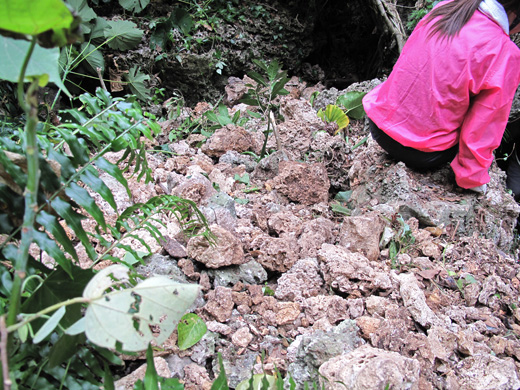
{"x":108,"y":380}
{"x":83,"y":10}
{"x":182,"y":20}
{"x":150,"y":377}
{"x":272,"y":70}
{"x":123,"y":35}
{"x":262,"y":65}
{"x":353,"y":103}
{"x":49,"y":325}
{"x":343,"y":196}
{"x":136,"y":79}
{"x":51,"y":224}
{"x":34,"y":17}
{"x":134,"y":5}
{"x":80,"y":152}
{"x":93,"y":56}
{"x":83,"y":198}
{"x":258,"y":78}
{"x":334,"y":114}
{"x":339,"y":208}
{"x":90,"y":178}
{"x":125,"y":316}
{"x":190,"y":330}
{"x":73,"y":219}
{"x":8,"y":162}
{"x":114,"y":171}
{"x":53,"y":250}
{"x":77,"y":328}
{"x":260,"y":382}
{"x":58,"y":287}
{"x":221,"y":382}
{"x":171,"y":384}
{"x":43,"y":63}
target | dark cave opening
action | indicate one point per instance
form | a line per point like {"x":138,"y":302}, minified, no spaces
{"x":349,"y":44}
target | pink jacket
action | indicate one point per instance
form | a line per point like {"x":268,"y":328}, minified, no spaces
{"x":442,"y":92}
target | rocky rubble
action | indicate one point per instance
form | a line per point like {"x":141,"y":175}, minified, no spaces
{"x":416,"y":289}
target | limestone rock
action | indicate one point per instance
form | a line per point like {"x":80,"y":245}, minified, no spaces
{"x":303,"y":183}
{"x":228,"y":138}
{"x":302,"y":281}
{"x":220,"y":304}
{"x":227,"y":250}
{"x":371,"y":368}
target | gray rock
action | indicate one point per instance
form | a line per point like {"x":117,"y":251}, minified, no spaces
{"x":251,"y":272}
{"x":176,"y":365}
{"x":162,"y":265}
{"x":308,"y":352}
{"x":234,"y":158}
{"x":204,"y":349}
{"x":237,"y":367}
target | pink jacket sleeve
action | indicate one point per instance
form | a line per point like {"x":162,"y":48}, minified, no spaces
{"x":485,"y":122}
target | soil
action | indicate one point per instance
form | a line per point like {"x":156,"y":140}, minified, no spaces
{"x":342,"y":266}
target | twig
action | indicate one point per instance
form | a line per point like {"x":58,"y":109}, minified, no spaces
{"x":455,"y":230}
{"x":392,"y":21}
{"x":98,"y":70}
{"x":275,"y":131}
{"x":3,"y":354}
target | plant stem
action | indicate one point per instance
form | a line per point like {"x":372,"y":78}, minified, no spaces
{"x":4,"y":373}
{"x":43,"y":312}
{"x":30,"y":106}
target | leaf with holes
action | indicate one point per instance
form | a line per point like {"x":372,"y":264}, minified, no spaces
{"x":134,"y":316}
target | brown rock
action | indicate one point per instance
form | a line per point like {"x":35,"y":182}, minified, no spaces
{"x":241,"y":298}
{"x":315,"y":233}
{"x":303,"y":183}
{"x":302,"y":281}
{"x":188,"y":268}
{"x":242,"y":337}
{"x":228,"y":138}
{"x":127,"y":382}
{"x":486,"y":372}
{"x":276,"y":253}
{"x":332,"y":307}
{"x":287,"y":312}
{"x":362,"y":234}
{"x":196,"y":378}
{"x":343,"y":270}
{"x":174,"y":248}
{"x":227,"y":250}
{"x":368,"y":325}
{"x":220,"y":304}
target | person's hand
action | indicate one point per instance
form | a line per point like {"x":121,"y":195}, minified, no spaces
{"x":480,"y":189}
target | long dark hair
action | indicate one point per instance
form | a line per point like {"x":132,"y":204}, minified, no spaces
{"x":455,"y":14}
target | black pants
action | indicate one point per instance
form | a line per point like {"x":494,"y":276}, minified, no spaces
{"x":411,"y":157}
{"x":508,"y":156}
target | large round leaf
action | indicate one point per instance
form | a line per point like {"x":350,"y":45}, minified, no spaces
{"x":43,"y":63}
{"x":128,"y":316}
{"x":34,"y":17}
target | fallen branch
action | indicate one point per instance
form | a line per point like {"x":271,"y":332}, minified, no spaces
{"x":388,"y":12}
